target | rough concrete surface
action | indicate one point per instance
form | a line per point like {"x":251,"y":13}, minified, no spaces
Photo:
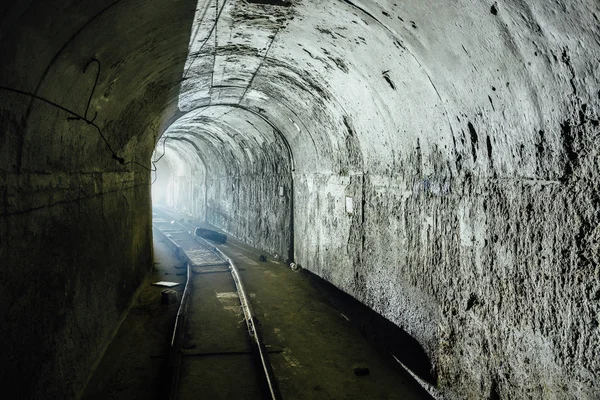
{"x":464,"y":132}
{"x":134,"y":366}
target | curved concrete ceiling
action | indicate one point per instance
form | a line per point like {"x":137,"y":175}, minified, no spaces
{"x":226,"y":137}
{"x":360,"y":85}
{"x":497,"y":102}
{"x":350,"y":85}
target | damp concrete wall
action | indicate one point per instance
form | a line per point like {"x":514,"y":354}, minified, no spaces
{"x":463,"y":134}
{"x":440,"y":160}
{"x":75,"y":222}
{"x":72,"y":254}
{"x":475,"y":216}
{"x":255,"y":208}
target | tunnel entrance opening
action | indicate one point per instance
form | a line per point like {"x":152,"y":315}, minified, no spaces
{"x":179,"y":177}
{"x":229,"y":167}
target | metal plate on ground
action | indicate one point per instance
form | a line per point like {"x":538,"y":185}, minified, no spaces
{"x":166,"y":284}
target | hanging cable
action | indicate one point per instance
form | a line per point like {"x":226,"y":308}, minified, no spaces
{"x":164,"y":150}
{"x":76,"y":117}
{"x":73,"y":116}
{"x":205,"y":40}
{"x":155,"y":170}
{"x":93,"y":88}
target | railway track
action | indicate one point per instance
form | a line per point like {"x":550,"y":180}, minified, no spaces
{"x":216,"y":348}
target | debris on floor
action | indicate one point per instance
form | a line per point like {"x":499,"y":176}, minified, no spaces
{"x":211,"y":235}
{"x":166,"y":284}
{"x":169,"y":296}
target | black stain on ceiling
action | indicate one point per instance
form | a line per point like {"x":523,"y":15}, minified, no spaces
{"x":280,"y":3}
{"x":492,"y":103}
{"x":309,"y":53}
{"x":326,"y":32}
{"x":387,"y":78}
{"x":474,"y":140}
{"x":540,"y":144}
{"x":399,"y":45}
{"x":494,"y":9}
{"x":348,"y":127}
{"x":488,"y":142}
{"x":340,"y":64}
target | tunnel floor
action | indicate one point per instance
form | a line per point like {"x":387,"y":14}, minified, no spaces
{"x":315,"y":349}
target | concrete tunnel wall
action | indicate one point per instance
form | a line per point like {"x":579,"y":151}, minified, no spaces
{"x":464,"y":132}
{"x":75,"y":224}
{"x":247,"y":188}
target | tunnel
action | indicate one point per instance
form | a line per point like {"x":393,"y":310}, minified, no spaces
{"x":436,"y":161}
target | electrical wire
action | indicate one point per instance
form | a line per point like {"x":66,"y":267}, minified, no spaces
{"x":94,"y":87}
{"x":85,"y":118}
{"x":76,"y":117}
{"x":158,"y":159}
{"x":196,"y":56}
{"x":205,"y":40}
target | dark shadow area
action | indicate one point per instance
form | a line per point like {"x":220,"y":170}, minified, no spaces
{"x":135,"y":365}
{"x":281,"y":3}
{"x":78,"y":125}
{"x":387,"y":336}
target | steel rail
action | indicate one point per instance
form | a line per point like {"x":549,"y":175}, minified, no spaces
{"x":174,"y":360}
{"x":250,"y":318}
{"x":252,"y":324}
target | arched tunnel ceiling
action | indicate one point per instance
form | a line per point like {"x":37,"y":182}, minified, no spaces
{"x":352,"y":86}
{"x":357,"y":86}
{"x":452,"y":125}
{"x":226,"y":138}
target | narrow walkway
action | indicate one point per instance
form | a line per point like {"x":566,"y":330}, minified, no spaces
{"x":317,"y":352}
{"x":133,"y":367}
